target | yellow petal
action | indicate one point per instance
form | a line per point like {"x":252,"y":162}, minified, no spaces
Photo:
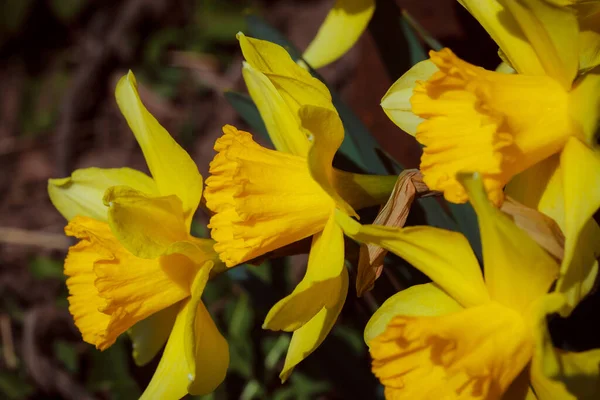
{"x":580,"y":167}
{"x":319,"y":288}
{"x":559,"y":374}
{"x":149,"y":335}
{"x":281,"y":122}
{"x":111,"y":289}
{"x":588,"y":15}
{"x":535,"y":35}
{"x":208,"y":353}
{"x":342,"y":27}
{"x":493,"y":123}
{"x":517,"y":269}
{"x":396,"y":102}
{"x":328,"y":134}
{"x":584,"y":105}
{"x":444,"y":256}
{"x":145,"y":225}
{"x":306,"y":339}
{"x":262,"y":199}
{"x":81,"y":193}
{"x":279,"y":87}
{"x":471,"y":354}
{"x":172,"y":168}
{"x":426,"y":300}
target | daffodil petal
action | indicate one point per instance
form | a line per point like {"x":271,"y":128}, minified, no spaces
{"x":559,"y":374}
{"x":173,"y":378}
{"x":535,"y":35}
{"x":580,"y":167}
{"x":444,"y":256}
{"x":328,"y":134}
{"x":111,"y":289}
{"x":584,"y":106}
{"x":342,"y":27}
{"x":149,"y":335}
{"x":319,"y":288}
{"x":145,"y":225}
{"x":588,"y":14}
{"x":306,"y":339}
{"x":517,"y":269}
{"x":172,"y":168}
{"x":424,"y":300}
{"x":396,"y":102}
{"x":279,"y":87}
{"x":282,"y":124}
{"x":81,"y":193}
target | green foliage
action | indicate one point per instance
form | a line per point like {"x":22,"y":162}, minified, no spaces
{"x":110,"y":372}
{"x":13,"y":386}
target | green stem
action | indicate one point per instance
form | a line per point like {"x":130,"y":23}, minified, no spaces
{"x":364,"y":190}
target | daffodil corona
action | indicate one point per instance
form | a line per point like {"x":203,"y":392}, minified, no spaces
{"x":136,"y":268}
{"x":466,"y":336}
{"x":534,"y":131}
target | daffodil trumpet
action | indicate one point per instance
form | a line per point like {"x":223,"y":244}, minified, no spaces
{"x":531,"y":134}
{"x":265,"y":199}
{"x":136,"y":268}
{"x":469,"y":335}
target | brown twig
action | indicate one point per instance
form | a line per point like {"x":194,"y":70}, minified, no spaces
{"x":8,"y":345}
{"x":24,"y":237}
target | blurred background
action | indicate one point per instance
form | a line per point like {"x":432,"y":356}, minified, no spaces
{"x":59,"y":63}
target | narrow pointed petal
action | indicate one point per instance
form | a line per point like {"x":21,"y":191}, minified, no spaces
{"x":328,"y":134}
{"x":396,"y":102}
{"x":149,"y":335}
{"x":426,"y":300}
{"x":588,"y":14}
{"x":306,"y":339}
{"x":172,"y":168}
{"x":517,"y":270}
{"x":82,"y":192}
{"x":320,"y":286}
{"x":444,"y":256}
{"x":281,"y":122}
{"x":580,"y":167}
{"x":196,"y":357}
{"x":342,"y":27}
{"x":535,"y":35}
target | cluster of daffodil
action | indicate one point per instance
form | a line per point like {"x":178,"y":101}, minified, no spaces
{"x":527,"y":130}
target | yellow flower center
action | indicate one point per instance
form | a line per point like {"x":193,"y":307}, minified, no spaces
{"x":262,"y":199}
{"x":471,"y":354}
{"x":488,"y":122}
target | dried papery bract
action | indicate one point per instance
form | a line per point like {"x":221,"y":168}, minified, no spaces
{"x":393,"y":214}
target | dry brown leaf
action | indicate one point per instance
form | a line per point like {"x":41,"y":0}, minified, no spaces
{"x":394,"y":213}
{"x":540,"y":227}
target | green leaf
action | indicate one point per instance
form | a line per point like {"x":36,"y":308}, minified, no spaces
{"x":67,"y":355}
{"x":467,"y":224}
{"x":245,"y":107}
{"x":43,"y":267}
{"x":14,"y":387}
{"x":110,"y":372}
{"x":67,"y":10}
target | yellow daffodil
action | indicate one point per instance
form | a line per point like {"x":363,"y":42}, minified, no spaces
{"x":136,"y":268}
{"x":342,"y":27}
{"x":466,"y":336}
{"x":538,"y":126}
{"x":265,"y":199}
